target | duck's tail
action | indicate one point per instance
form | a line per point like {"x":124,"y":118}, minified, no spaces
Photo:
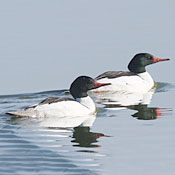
{"x":28,"y":112}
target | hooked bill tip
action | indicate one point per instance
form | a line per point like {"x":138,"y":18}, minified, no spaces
{"x":160,"y":59}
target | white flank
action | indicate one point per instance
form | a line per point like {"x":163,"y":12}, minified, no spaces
{"x":142,"y":82}
{"x":83,"y":106}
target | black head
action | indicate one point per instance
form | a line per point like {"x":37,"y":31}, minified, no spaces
{"x":82,"y":84}
{"x":139,"y":61}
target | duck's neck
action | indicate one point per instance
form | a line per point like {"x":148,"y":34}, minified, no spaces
{"x":136,"y":69}
{"x":87,"y":102}
{"x":147,"y":77}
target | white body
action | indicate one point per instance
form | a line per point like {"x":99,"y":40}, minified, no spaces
{"x":83,"y":106}
{"x":142,"y":82}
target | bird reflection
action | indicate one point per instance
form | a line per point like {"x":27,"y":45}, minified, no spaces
{"x":85,"y":138}
{"x":147,"y":113}
{"x":143,"y":111}
{"x":135,"y":101}
{"x":122,"y":98}
{"x":82,"y":136}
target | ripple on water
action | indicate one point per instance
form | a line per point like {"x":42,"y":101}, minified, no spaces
{"x":40,"y":151}
{"x":26,"y":148}
{"x":164,"y":87}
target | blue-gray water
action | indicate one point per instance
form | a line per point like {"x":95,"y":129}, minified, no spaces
{"x":46,"y":44}
{"x":137,"y":139}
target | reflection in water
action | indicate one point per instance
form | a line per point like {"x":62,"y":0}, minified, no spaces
{"x":143,"y":111}
{"x":41,"y":150}
{"x":85,"y":138}
{"x":32,"y":151}
{"x":81,"y":135}
{"x":122,"y":98}
{"x":134,"y":101}
{"x":68,"y":121}
{"x":164,"y":87}
{"x":148,"y":113}
{"x":54,"y":122}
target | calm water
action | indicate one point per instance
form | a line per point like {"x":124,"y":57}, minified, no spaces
{"x":125,"y":138}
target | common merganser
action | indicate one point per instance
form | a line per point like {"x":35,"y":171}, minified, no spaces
{"x":137,"y":79}
{"x":81,"y":105}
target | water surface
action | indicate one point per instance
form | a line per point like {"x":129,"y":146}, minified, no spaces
{"x":136,"y":138}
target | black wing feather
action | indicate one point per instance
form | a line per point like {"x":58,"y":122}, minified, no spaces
{"x":114,"y":74}
{"x":50,"y":100}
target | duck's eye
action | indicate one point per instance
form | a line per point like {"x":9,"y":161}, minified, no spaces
{"x":149,"y":58}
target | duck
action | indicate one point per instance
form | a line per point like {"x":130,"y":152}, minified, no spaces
{"x":137,"y":79}
{"x":80,"y":105}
